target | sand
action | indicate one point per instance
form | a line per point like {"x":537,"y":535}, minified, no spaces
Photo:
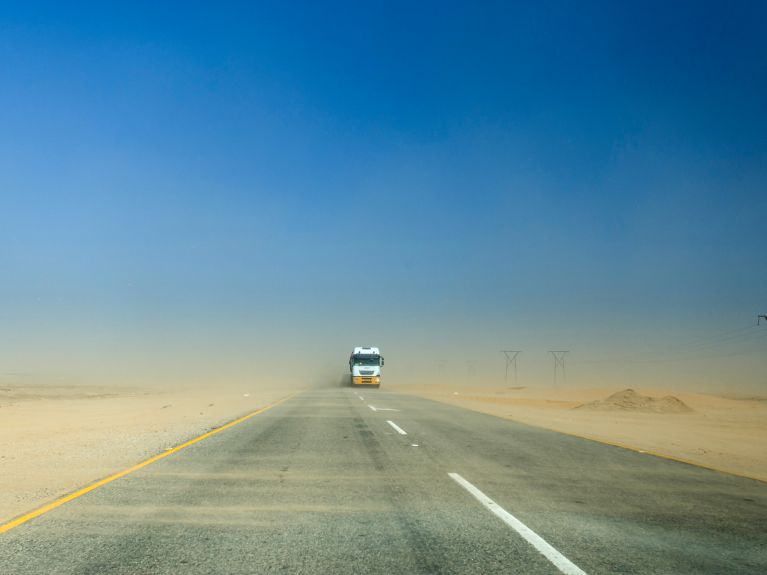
{"x":630,"y":400}
{"x":56,"y":439}
{"x":721,"y":433}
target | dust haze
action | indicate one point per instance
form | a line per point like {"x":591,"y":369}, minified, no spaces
{"x":81,"y":400}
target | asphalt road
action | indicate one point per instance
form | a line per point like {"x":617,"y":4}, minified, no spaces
{"x":323,"y":483}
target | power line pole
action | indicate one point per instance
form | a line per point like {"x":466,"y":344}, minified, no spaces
{"x":511,"y":360}
{"x":471,"y":366}
{"x":559,"y":363}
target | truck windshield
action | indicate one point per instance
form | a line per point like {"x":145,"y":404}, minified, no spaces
{"x":366,"y":359}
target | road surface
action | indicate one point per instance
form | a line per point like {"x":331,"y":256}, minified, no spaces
{"x":366,"y":481}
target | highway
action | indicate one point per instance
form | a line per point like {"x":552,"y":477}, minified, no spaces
{"x":366,"y":481}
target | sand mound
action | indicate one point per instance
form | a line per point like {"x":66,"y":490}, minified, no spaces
{"x":630,"y":400}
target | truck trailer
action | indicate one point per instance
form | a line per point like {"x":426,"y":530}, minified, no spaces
{"x":365,"y":366}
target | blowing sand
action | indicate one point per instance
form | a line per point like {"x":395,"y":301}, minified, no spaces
{"x":717,"y":432}
{"x":56,"y":439}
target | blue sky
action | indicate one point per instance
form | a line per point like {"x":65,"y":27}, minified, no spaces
{"x":201,"y":187}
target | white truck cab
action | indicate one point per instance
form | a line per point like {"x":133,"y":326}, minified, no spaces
{"x":365,"y":366}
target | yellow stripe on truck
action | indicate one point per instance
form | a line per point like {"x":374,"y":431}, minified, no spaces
{"x":366,"y":380}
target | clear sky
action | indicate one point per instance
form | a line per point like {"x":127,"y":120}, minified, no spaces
{"x":205,"y":190}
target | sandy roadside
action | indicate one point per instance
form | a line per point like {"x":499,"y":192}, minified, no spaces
{"x":725,"y":434}
{"x":56,"y":439}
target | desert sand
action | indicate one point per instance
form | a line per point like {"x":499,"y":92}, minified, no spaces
{"x":721,"y":433}
{"x":56,"y":439}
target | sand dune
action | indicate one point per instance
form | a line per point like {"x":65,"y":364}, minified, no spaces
{"x":58,"y":438}
{"x":630,"y":400}
{"x":722,"y":433}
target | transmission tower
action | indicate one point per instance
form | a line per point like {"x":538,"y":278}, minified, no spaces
{"x":511,"y":361}
{"x":759,"y":319}
{"x":471,"y":366}
{"x":559,"y":364}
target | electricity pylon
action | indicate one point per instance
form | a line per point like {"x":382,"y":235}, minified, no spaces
{"x":511,"y":361}
{"x":559,"y":362}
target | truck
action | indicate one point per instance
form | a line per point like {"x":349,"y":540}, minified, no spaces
{"x":365,"y":366}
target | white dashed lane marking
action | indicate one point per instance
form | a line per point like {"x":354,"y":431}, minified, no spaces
{"x":557,"y":559}
{"x":396,"y":427}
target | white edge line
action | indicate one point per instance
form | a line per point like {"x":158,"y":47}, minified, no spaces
{"x":560,"y":561}
{"x":371,"y":407}
{"x":396,"y":427}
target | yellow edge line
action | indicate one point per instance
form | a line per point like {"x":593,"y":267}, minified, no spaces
{"x":80,"y":492}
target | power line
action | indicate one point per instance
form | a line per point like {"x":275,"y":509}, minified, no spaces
{"x":698,"y":344}
{"x":693,"y":357}
{"x":717,"y":337}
